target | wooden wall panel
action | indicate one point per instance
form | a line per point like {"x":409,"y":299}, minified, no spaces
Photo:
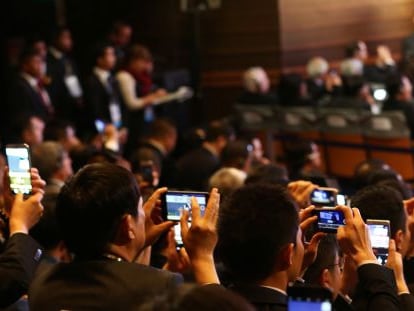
{"x":325,"y":27}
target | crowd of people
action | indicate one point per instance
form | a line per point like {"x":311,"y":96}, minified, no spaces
{"x":91,"y":235}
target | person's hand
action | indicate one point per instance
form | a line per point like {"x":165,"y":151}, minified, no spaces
{"x":201,"y":238}
{"x":353,"y":237}
{"x":38,"y":186}
{"x":24,"y":214}
{"x":409,"y":207}
{"x":177,"y":261}
{"x":395,"y":263}
{"x":160,"y":93}
{"x":154,"y":225}
{"x":311,"y":248}
{"x":384,"y":56}
{"x":349,"y":276}
{"x":300,"y":191}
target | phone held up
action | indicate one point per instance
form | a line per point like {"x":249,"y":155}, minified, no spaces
{"x":173,"y":202}
{"x":329,"y":219}
{"x":379,"y":234}
{"x":19,"y":163}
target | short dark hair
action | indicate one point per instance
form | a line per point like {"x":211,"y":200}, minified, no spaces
{"x":381,"y":202}
{"x":57,"y":32}
{"x":26,"y":55}
{"x":364,"y":170}
{"x":136,"y":52}
{"x":254,"y":225}
{"x":161,"y":128}
{"x":351,"y":49}
{"x":218,"y":128}
{"x":99,"y":50}
{"x":325,"y":259}
{"x":91,"y":205}
{"x":274,"y":174}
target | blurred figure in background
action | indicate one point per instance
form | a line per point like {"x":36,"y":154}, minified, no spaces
{"x":257,"y":88}
{"x":383,"y":67}
{"x":120,"y":38}
{"x":355,"y":56}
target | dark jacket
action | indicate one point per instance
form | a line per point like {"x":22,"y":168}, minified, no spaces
{"x":405,"y":107}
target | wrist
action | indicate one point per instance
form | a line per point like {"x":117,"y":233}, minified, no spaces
{"x":17,"y":227}
{"x":360,"y":259}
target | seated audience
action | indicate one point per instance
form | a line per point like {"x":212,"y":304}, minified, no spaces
{"x":196,"y":167}
{"x":399,"y":89}
{"x":106,"y":226}
{"x":317,"y":69}
{"x":256,"y":88}
{"x":273,"y":238}
{"x":293,"y":91}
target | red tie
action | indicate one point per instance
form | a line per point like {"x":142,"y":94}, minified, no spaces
{"x":45,"y":98}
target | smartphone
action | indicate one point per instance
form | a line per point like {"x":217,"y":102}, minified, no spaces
{"x":308,"y":298}
{"x":379,"y":234}
{"x":175,"y":201}
{"x":324,"y":197}
{"x":329,"y":219}
{"x":341,"y":199}
{"x":172,"y":204}
{"x":100,"y":126}
{"x":146,"y":169}
{"x":18,"y":161}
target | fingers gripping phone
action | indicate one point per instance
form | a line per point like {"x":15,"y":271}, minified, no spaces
{"x":173,"y":202}
{"x":18,"y":161}
{"x":379,"y":234}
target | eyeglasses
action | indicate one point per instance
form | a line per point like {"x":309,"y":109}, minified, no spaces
{"x":340,"y":264}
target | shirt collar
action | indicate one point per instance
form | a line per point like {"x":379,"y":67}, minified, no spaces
{"x":158,"y":145}
{"x":211,"y":149}
{"x":276,"y":289}
{"x":30,"y":79}
{"x":102,"y":75}
{"x":55,"y":52}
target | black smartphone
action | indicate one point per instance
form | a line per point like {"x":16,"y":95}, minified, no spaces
{"x":324,"y":197}
{"x":18,"y":161}
{"x":146,"y":169}
{"x":172,"y":204}
{"x":379,"y":234}
{"x":308,"y":297}
{"x":329,"y":219}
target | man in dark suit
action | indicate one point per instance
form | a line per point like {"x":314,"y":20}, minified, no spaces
{"x":102,"y":97}
{"x":156,"y":149}
{"x":64,"y":87}
{"x":196,"y":167}
{"x":27,"y":96}
{"x":262,"y":249}
{"x":102,"y":221}
{"x":21,"y":256}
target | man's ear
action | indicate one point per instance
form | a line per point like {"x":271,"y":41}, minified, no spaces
{"x":286,"y":258}
{"x":399,"y":239}
{"x":409,"y":206}
{"x":125,"y":231}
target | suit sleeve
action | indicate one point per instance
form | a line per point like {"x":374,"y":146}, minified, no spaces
{"x":406,"y":302}
{"x":17,"y":266}
{"x":376,"y":289}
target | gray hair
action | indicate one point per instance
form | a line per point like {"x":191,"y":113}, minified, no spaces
{"x":47,"y":157}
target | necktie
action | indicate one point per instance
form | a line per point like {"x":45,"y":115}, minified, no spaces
{"x":44,"y":97}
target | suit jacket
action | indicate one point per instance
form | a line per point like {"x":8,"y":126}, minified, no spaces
{"x":98,"y":99}
{"x":98,"y":285}
{"x":262,"y":298}
{"x":376,"y":289}
{"x":23,"y":101}
{"x":195,"y":168}
{"x":17,"y":266}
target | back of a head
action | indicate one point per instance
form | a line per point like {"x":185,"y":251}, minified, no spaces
{"x":188,"y":297}
{"x":273,"y":174}
{"x":328,"y":249}
{"x":227,"y":180}
{"x":255,"y":224}
{"x":91,"y":205}
{"x":381,"y":202}
{"x":235,"y":154}
{"x":47,"y":157}
{"x":162,"y":128}
{"x":136,"y":52}
{"x":215,"y":129}
{"x":364,"y":170}
{"x":316,"y":67}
